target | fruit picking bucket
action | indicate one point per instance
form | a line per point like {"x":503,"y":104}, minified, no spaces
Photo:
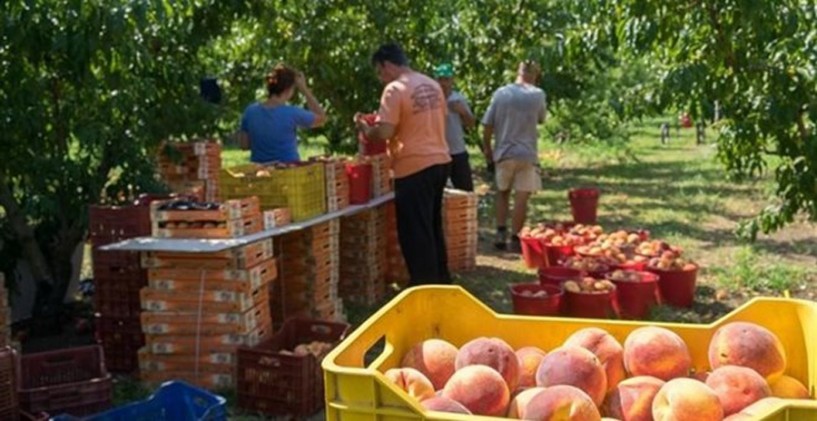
{"x":634,"y":266}
{"x":360,"y":182}
{"x":555,"y":275}
{"x":547,"y":305}
{"x":556,"y":254}
{"x":533,"y":252}
{"x":584,"y":205}
{"x":370,"y":147}
{"x":677,"y":287}
{"x":588,"y":305}
{"x":635,"y":299}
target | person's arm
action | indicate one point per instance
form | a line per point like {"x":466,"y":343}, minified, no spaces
{"x":379,"y":132}
{"x":311,"y":102}
{"x":544,"y":110}
{"x":487,"y":136}
{"x":244,"y":140}
{"x":461,"y":108}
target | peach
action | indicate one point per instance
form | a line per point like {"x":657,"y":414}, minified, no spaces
{"x":788,"y":387}
{"x":561,"y":402}
{"x":573,"y":366}
{"x":748,"y":345}
{"x":606,"y":348}
{"x":444,"y":405}
{"x":737,"y":387}
{"x":684,"y":399}
{"x":494,"y":353}
{"x":413,"y":382}
{"x":529,"y":359}
{"x":519,"y":402}
{"x":433,"y":357}
{"x":480,"y":389}
{"x":631,"y":400}
{"x":656,"y":351}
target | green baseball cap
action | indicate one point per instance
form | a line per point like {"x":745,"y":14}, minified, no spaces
{"x":444,"y":70}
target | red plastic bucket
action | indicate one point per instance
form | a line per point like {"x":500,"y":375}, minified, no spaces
{"x":370,"y":147}
{"x":635,"y":299}
{"x":677,"y":286}
{"x":539,"y":255}
{"x":584,"y":205}
{"x":556,"y":254}
{"x":548,"y":305}
{"x":555,"y":275}
{"x":631,"y":265}
{"x":360,"y":182}
{"x":591,"y":305}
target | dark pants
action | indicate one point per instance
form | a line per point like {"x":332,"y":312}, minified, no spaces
{"x":418,"y":201}
{"x":461,"y":172}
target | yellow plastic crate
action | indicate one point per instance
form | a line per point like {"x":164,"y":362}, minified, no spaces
{"x":302,"y":189}
{"x":356,"y":390}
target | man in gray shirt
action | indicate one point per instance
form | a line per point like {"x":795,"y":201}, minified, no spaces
{"x":458,"y":119}
{"x":515,"y":111}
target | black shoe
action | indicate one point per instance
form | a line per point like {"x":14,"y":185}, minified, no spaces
{"x":501,"y":242}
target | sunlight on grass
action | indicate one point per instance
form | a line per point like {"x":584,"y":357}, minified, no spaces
{"x":749,"y":272}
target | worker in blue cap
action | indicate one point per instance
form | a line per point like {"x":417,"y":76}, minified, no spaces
{"x":458,"y":120}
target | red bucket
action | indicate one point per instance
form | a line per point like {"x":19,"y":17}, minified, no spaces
{"x":631,"y":265}
{"x":677,"y":286}
{"x":360,"y":182}
{"x":555,"y":275}
{"x":370,"y":147}
{"x":556,"y":254}
{"x":584,"y":205}
{"x":530,"y":305}
{"x":592,"y":305}
{"x":532,"y":252}
{"x":636,"y":298}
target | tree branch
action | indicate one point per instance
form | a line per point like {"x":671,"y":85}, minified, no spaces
{"x":729,"y":54}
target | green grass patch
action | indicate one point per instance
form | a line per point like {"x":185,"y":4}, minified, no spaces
{"x":752,"y":271}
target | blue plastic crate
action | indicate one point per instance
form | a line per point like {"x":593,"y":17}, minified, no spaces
{"x":173,"y":401}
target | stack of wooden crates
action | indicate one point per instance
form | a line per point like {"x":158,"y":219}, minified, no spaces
{"x":192,"y":169}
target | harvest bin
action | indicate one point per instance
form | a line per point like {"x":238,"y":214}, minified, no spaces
{"x":356,"y":390}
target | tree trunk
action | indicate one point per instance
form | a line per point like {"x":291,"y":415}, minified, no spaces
{"x":24,"y":234}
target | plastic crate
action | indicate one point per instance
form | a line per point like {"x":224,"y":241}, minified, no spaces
{"x":113,"y":223}
{"x":301,"y":188}
{"x":120,"y":340}
{"x":356,"y":389}
{"x":173,"y":401}
{"x":276,"y":384}
{"x":9,"y":407}
{"x":73,"y":381}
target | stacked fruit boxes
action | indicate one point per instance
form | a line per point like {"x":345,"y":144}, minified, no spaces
{"x":185,"y":219}
{"x":191,"y":168}
{"x":337,"y":183}
{"x":460,"y":226}
{"x":309,"y":274}
{"x":5,"y":313}
{"x":118,"y":278}
{"x":300,"y":187}
{"x":396,"y":270}
{"x":363,"y":256}
{"x":199,"y":307}
{"x":381,"y":173}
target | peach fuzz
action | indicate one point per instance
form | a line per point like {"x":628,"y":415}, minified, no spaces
{"x":737,"y":387}
{"x":480,"y":389}
{"x":494,"y":353}
{"x":529,"y":359}
{"x":748,"y":345}
{"x":574,"y":366}
{"x":519,"y":402}
{"x":684,"y":399}
{"x":658,"y":352}
{"x":631,"y":400}
{"x":411,"y":381}
{"x":433,"y":357}
{"x":606,"y":348}
{"x":444,"y":405}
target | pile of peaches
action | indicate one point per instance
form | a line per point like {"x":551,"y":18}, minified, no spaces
{"x":592,"y":375}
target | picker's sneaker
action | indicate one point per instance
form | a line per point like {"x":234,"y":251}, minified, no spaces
{"x":515,"y":245}
{"x":501,"y":242}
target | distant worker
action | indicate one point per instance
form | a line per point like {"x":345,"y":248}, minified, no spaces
{"x":512,"y":118}
{"x":459,"y":119}
{"x":268,"y":129}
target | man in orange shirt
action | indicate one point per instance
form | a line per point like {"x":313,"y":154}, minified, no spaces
{"x":412,"y":117}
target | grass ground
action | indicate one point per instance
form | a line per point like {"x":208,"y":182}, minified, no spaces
{"x":676,"y":191}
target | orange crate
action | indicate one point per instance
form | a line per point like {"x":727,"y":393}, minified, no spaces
{"x":237,"y":258}
{"x":185,"y":323}
{"x":159,"y":362}
{"x":224,"y":290}
{"x":203,"y":380}
{"x":229,"y":210}
{"x":229,"y":229}
{"x":207,"y":301}
{"x":258,"y":275}
{"x":190,"y":344}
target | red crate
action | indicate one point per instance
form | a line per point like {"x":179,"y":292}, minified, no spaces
{"x":113,"y":223}
{"x":277,"y":384}
{"x":118,"y":305}
{"x":115,"y":259}
{"x":72,"y":381}
{"x":9,"y":406}
{"x":120,"y":340}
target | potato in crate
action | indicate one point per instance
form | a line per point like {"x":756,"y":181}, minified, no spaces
{"x":282,"y":376}
{"x":73,"y":381}
{"x":301,"y":187}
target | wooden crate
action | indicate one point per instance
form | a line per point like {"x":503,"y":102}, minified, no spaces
{"x":213,"y":363}
{"x":243,"y":257}
{"x":225,"y":229}
{"x":191,"y":344}
{"x":228,"y":210}
{"x":204,"y":380}
{"x":174,"y":323}
{"x":277,"y":218}
{"x":204,"y":301}
{"x":258,"y":275}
